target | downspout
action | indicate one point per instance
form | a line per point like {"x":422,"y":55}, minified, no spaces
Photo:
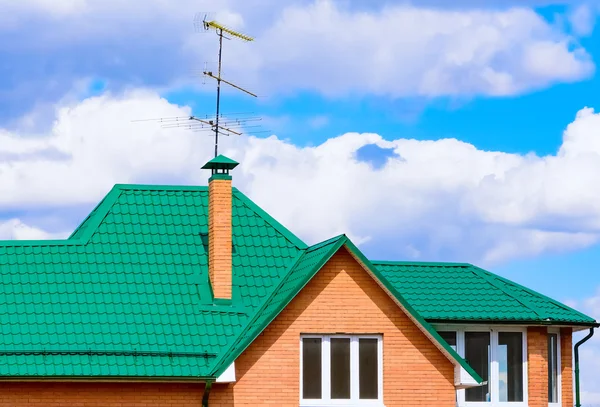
{"x":577,"y":345}
{"x":207,"y":388}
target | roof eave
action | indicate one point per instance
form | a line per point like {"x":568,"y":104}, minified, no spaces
{"x":130,"y":379}
{"x":578,"y":324}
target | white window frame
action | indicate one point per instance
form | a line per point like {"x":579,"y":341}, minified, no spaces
{"x":494,"y":365}
{"x":556,"y":331}
{"x":354,"y":400}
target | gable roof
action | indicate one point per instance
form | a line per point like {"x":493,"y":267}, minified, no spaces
{"x":463,"y":292}
{"x":307,"y":266}
{"x":128,"y":295}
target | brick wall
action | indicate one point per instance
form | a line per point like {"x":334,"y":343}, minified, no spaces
{"x":61,"y":394}
{"x":566,"y":364}
{"x":537,"y":364}
{"x":342,"y":297}
{"x":220,"y":237}
{"x":537,"y":347}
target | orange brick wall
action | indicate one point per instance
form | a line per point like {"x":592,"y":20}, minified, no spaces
{"x":219,"y":237}
{"x":537,"y":359}
{"x":537,"y":347}
{"x":566,"y":364}
{"x":342,"y":297}
{"x":30,"y":394}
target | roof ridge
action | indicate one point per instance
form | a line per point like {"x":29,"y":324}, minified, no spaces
{"x":31,"y":243}
{"x":99,"y":213}
{"x":95,"y":217}
{"x":292,"y":238}
{"x":487,"y":276}
{"x":257,"y":313}
{"x":420,"y":263}
{"x":535,"y":293}
{"x":324,"y":243}
{"x":152,"y":187}
{"x":91,"y":214}
{"x":275,"y":290}
{"x":410,"y":311}
{"x":313,"y":270}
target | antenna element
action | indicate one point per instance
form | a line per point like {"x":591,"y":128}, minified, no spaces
{"x":220,"y":30}
{"x":230,"y":124}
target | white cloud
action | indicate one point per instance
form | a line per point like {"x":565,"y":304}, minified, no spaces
{"x":54,"y":8}
{"x":543,"y":190}
{"x":406,"y":50}
{"x":15,"y":229}
{"x":100,"y":145}
{"x":583,"y":18}
{"x":434,"y":199}
{"x":323,"y":46}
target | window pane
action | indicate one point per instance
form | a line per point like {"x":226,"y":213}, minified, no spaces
{"x":553,"y":368}
{"x":367,"y":366}
{"x":450,"y":337}
{"x":510,"y":362}
{"x":311,"y":368}
{"x":340,"y":368}
{"x":477,"y":354}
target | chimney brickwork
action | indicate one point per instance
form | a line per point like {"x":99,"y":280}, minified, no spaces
{"x":220,"y":231}
{"x":220,"y":237}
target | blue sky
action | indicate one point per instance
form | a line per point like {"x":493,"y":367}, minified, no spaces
{"x":524,"y":123}
{"x":424,"y":131}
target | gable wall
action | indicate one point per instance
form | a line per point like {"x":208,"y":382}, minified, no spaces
{"x":342,"y":297}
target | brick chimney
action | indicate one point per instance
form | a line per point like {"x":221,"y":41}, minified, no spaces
{"x":220,"y":269}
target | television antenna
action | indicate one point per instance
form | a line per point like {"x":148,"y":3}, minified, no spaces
{"x":208,"y":25}
{"x":232,"y":123}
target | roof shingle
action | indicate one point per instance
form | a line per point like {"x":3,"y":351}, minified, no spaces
{"x":463,"y":292}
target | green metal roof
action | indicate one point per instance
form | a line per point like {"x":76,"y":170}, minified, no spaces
{"x":463,"y":292}
{"x":134,"y":277}
{"x":127,"y":294}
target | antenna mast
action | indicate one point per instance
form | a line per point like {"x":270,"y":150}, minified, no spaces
{"x":231,"y":123}
{"x":221,"y":31}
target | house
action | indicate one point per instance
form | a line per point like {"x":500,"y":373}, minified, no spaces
{"x":194,"y":296}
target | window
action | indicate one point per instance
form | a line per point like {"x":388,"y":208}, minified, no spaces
{"x":499,"y":356}
{"x":477,"y":354}
{"x":510,"y":366}
{"x":553,"y":369}
{"x":338,"y":369}
{"x":450,"y":337}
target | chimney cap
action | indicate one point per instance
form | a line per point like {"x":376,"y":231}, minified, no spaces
{"x":220,"y":162}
